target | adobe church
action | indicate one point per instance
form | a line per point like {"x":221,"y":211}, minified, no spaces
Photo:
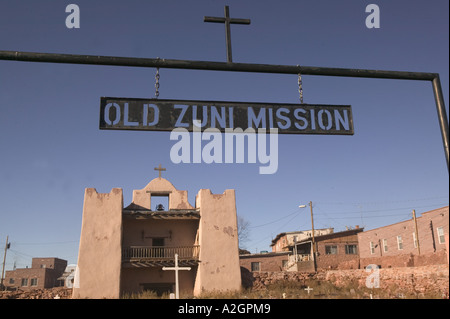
{"x":130,"y":249}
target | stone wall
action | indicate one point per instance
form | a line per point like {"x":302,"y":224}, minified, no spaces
{"x":54,"y":293}
{"x":260,"y":280}
{"x":424,"y":279}
{"x":433,"y":279}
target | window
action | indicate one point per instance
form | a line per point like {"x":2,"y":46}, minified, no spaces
{"x":399,"y":243}
{"x":159,"y":242}
{"x":385,"y":245}
{"x":34,"y":281}
{"x":160,"y":202}
{"x":440,"y":231}
{"x":11,"y":281}
{"x":350,"y":250}
{"x":372,"y":248}
{"x":331,"y":250}
{"x":256,"y":266}
{"x":24,"y":282}
{"x":157,"y":250}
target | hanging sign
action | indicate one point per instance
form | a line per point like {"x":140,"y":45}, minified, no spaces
{"x":166,"y":115}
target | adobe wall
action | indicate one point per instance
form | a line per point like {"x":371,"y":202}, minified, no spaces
{"x":100,"y":250}
{"x":133,"y":277}
{"x":177,"y":199}
{"x":218,"y":269}
{"x":175,"y":232}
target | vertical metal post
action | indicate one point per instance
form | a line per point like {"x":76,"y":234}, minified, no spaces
{"x":416,"y":231}
{"x":227,"y":21}
{"x":177,"y":284}
{"x":312,"y":225}
{"x":442,"y":114}
{"x":313,"y":240}
{"x":4,"y":259}
{"x":228,"y":34}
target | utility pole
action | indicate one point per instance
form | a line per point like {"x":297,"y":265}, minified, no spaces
{"x":313,"y":240}
{"x":312,"y":227}
{"x":7,"y":245}
{"x":416,"y":231}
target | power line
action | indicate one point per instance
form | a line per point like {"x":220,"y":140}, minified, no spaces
{"x":20,"y":253}
{"x":387,"y":210}
{"x":48,"y":243}
{"x":277,"y":220}
{"x":384,"y":202}
{"x":267,"y":237}
{"x":376,"y":216}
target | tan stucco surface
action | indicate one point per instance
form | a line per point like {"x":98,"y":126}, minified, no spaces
{"x":100,"y":250}
{"x":219,"y":268}
{"x":177,"y":199}
{"x":107,"y":229}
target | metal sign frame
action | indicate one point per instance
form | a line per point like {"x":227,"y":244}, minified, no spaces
{"x":245,"y":67}
{"x":166,"y":115}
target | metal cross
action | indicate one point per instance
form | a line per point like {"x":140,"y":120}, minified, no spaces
{"x":227,"y":20}
{"x":159,"y":168}
{"x":176,"y":269}
{"x":308,"y":289}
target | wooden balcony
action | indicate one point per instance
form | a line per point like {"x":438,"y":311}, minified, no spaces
{"x":157,"y":256}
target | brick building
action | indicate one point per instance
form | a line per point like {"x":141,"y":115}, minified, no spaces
{"x":283,"y":241}
{"x":397,"y":245}
{"x":44,"y":273}
{"x":273,"y":261}
{"x":337,"y":250}
{"x":334,"y":250}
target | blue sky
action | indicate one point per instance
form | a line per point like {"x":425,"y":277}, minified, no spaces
{"x":52,"y":149}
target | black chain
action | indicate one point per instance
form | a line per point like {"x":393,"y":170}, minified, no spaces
{"x":157,"y":83}
{"x":300,"y":88}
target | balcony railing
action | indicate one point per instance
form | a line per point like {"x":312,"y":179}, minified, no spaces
{"x":151,"y":253}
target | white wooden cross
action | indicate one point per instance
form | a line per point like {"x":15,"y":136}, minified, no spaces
{"x":176,"y":269}
{"x":308,"y":289}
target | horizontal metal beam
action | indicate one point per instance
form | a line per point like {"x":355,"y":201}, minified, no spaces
{"x":222,"y":20}
{"x":211,"y":66}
